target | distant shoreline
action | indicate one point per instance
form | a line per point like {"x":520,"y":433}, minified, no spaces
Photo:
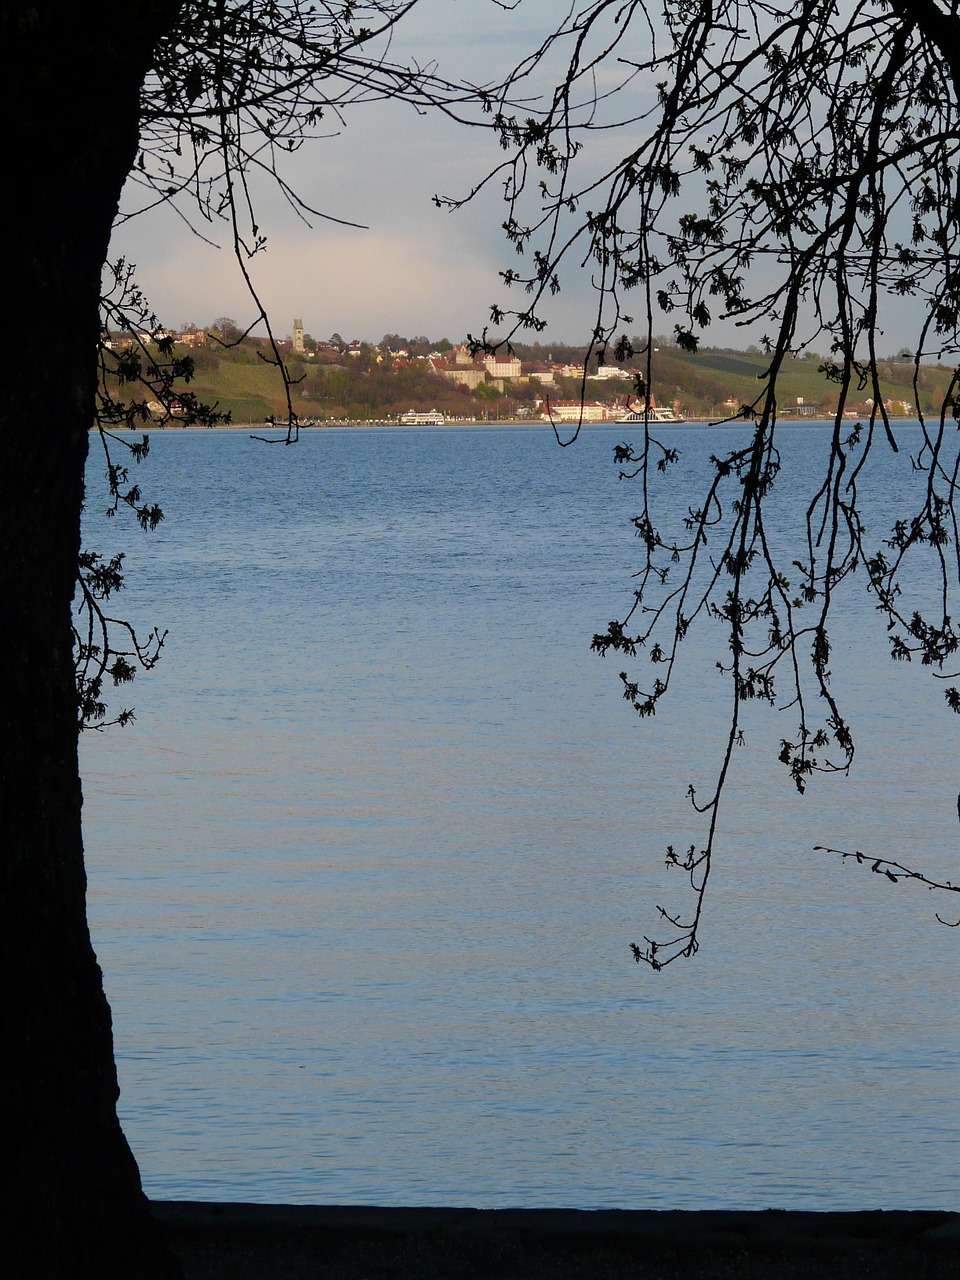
{"x":384,"y":425}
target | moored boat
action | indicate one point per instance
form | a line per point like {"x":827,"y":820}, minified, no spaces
{"x":654,"y":413}
{"x":433,"y":418}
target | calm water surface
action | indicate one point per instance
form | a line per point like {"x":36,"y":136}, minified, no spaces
{"x":364,"y":871}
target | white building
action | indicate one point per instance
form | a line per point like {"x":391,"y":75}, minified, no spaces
{"x":503,"y":366}
{"x":575,"y":411}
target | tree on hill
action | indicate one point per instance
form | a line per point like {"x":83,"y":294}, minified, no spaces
{"x":363,"y":389}
{"x":226,"y":330}
{"x":797,"y":171}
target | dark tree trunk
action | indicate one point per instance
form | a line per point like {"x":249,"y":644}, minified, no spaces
{"x":70,"y":83}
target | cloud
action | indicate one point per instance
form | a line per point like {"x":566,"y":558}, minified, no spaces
{"x":366,"y":283}
{"x":414,"y":269}
{"x":417,"y":269}
{"x":361,"y":283}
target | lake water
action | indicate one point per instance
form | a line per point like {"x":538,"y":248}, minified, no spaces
{"x":365,"y":870}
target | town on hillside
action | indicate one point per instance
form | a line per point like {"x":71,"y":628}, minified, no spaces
{"x":419,"y":381}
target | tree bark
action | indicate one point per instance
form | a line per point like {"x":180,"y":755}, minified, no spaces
{"x":70,"y":86}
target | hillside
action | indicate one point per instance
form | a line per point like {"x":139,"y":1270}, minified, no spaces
{"x":365,"y":382}
{"x":710,"y":377}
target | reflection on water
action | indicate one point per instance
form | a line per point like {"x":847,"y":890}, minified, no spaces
{"x":365,"y":869}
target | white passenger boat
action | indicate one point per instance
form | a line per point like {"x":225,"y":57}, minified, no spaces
{"x":655,"y":413}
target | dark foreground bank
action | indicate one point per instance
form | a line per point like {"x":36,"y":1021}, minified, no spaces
{"x":291,"y":1242}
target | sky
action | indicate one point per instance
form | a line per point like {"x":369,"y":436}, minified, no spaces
{"x":412,"y":268}
{"x":409,"y":268}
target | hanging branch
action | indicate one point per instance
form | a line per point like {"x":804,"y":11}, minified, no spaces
{"x":142,"y":382}
{"x":795,"y":170}
{"x":236,"y":88}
